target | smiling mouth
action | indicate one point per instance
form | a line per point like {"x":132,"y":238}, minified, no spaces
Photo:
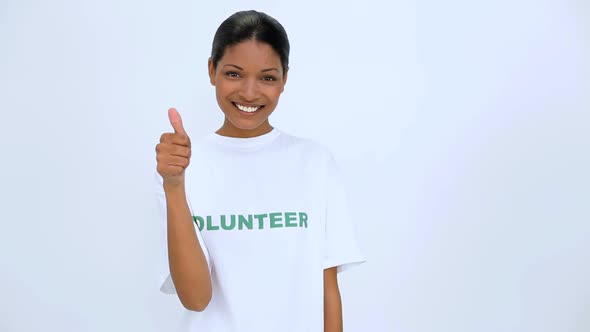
{"x":247,"y":109}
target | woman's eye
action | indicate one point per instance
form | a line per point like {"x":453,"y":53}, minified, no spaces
{"x":269,"y":78}
{"x":232,"y":74}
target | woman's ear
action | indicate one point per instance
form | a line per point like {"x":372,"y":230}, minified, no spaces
{"x":211,"y":69}
{"x":284,"y":80}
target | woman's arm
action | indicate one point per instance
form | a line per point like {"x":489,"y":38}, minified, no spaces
{"x":188,"y":265}
{"x":332,"y":302}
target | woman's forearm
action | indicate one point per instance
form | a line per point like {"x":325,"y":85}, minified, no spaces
{"x":188,"y":265}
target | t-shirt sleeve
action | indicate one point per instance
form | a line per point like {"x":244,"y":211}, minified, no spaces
{"x":341,"y":244}
{"x":164,"y":280}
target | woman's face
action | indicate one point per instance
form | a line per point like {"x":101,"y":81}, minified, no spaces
{"x":248,"y":81}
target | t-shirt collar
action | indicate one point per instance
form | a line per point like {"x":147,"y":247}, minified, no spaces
{"x":244,"y":143}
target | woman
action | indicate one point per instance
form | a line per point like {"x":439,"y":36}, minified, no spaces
{"x":256,"y":229}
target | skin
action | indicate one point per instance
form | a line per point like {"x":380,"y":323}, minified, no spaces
{"x":251,"y":74}
{"x":187,"y":262}
{"x":332,"y":302}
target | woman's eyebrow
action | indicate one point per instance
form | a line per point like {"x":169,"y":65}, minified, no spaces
{"x":240,"y":68}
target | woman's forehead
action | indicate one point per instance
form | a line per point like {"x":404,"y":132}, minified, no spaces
{"x":251,"y":54}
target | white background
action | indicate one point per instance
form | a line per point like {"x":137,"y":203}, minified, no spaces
{"x":463,"y":128}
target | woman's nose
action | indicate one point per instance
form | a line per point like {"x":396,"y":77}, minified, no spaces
{"x":249,"y":90}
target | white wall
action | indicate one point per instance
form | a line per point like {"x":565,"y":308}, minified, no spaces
{"x":463,"y":128}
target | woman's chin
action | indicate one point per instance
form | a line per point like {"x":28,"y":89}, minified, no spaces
{"x":246,"y":122}
{"x":247,"y":125}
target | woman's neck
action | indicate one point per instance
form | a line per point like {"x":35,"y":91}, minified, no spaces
{"x":228,"y":129}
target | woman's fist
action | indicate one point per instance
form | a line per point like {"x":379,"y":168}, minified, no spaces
{"x":173,"y":153}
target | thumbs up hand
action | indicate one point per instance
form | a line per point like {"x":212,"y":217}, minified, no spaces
{"x":173,"y":153}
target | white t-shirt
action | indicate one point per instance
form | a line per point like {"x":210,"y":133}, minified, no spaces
{"x":270,"y":214}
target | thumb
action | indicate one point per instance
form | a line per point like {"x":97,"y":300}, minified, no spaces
{"x":176,"y":121}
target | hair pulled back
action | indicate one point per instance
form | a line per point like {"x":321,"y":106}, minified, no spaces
{"x":251,"y":25}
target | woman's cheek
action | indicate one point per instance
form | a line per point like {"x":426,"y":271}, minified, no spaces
{"x":274,"y":93}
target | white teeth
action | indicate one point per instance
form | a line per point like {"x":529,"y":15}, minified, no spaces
{"x":247,"y":109}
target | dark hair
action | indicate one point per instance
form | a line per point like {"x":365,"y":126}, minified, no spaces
{"x":251,"y":25}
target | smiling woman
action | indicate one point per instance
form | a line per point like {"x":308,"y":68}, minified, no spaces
{"x":249,"y":80}
{"x":248,"y":67}
{"x":234,"y":266}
